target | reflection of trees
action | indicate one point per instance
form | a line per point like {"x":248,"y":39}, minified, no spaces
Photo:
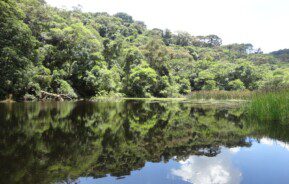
{"x":49,"y":142}
{"x":274,"y":130}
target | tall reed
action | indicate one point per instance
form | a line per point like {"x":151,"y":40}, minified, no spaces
{"x":272,"y":106}
{"x":221,"y":95}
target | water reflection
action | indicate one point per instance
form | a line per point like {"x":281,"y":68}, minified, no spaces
{"x":206,"y":170}
{"x":271,"y":142}
{"x":63,"y":142}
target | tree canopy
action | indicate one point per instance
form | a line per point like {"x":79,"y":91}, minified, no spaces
{"x":92,"y":54}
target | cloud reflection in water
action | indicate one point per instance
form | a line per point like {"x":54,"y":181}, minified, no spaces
{"x":210,"y":170}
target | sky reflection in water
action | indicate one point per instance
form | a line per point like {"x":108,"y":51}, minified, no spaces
{"x":255,"y":164}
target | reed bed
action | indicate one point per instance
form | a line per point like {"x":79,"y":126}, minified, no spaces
{"x":221,"y":95}
{"x":264,"y":106}
{"x":272,"y":106}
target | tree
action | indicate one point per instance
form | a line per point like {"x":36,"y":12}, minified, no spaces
{"x":168,"y":37}
{"x":236,"y":85}
{"x":113,"y":50}
{"x":240,"y":48}
{"x":183,"y":39}
{"x":281,"y":54}
{"x":125,"y":17}
{"x":139,"y":26}
{"x":142,"y":80}
{"x":205,"y":81}
{"x":248,"y":74}
{"x":16,"y":50}
{"x":157,"y":56}
{"x":38,"y":17}
{"x":109,"y":26}
{"x":77,"y":50}
{"x":133,"y":57}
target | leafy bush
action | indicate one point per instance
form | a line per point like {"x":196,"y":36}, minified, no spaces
{"x":63,"y":87}
{"x":142,"y":80}
{"x":236,"y":85}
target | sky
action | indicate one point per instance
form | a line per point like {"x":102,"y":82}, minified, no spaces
{"x":264,"y":23}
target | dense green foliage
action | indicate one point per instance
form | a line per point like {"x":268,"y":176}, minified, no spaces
{"x":16,"y":49}
{"x":282,"y":54}
{"x":96,"y":54}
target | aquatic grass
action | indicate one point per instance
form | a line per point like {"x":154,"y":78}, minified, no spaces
{"x":221,"y":95}
{"x":270,"y":106}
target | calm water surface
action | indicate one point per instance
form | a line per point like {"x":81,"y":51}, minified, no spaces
{"x":139,"y":142}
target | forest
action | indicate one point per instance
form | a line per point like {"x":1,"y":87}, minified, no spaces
{"x":82,"y":55}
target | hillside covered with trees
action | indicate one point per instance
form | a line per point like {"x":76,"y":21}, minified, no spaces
{"x":85,"y":55}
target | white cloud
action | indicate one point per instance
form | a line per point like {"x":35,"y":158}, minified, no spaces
{"x":261,"y":22}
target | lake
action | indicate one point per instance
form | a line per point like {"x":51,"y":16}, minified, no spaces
{"x":139,"y":142}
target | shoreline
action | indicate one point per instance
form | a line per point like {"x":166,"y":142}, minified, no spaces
{"x":109,"y":99}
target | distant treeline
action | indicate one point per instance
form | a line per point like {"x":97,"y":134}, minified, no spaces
{"x":85,"y":55}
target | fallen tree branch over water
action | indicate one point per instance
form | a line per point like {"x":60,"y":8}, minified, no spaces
{"x":58,"y":97}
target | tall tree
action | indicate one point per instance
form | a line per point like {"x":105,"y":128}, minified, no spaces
{"x":16,"y":50}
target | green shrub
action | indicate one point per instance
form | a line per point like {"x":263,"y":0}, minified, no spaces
{"x":63,"y":87}
{"x":236,"y":85}
{"x":142,"y":80}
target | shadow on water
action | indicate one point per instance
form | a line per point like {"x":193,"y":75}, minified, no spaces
{"x":60,"y":142}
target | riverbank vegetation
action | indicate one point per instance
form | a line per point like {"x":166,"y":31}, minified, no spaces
{"x":45,"y":50}
{"x":221,"y":95}
{"x":270,"y":106}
